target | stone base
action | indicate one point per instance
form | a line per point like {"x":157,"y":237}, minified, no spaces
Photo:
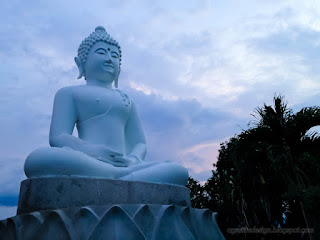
{"x":116,"y":222}
{"x":59,"y":208}
{"x":38,"y":194}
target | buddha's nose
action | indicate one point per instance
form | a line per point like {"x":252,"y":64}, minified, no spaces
{"x":108,"y":58}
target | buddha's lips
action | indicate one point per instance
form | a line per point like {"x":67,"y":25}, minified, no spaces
{"x":109,"y":69}
{"x":108,"y":66}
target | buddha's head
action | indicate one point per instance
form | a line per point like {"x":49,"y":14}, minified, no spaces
{"x":99,"y":46}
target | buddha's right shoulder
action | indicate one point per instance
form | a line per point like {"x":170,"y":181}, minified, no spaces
{"x":69,"y":91}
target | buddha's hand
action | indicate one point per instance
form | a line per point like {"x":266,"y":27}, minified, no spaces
{"x":102,"y":152}
{"x":121,"y":161}
{"x":128,"y":160}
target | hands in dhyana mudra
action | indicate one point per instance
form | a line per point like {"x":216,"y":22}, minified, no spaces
{"x":104,"y":154}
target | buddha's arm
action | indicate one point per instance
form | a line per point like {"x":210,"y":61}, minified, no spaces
{"x":135,"y":140}
{"x":63,"y":121}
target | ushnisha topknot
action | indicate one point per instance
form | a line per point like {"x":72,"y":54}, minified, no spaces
{"x":99,"y":35}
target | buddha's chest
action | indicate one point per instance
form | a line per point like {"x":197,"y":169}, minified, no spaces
{"x":94,"y":102}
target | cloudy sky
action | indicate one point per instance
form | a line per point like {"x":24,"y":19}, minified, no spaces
{"x":195,"y":68}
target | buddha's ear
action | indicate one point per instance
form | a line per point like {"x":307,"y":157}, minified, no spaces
{"x":116,"y":80}
{"x":80,"y":67}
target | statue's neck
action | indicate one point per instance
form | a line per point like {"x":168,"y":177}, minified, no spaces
{"x":94,"y":82}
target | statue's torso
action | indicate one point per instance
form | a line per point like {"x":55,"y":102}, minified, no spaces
{"x":101,"y":115}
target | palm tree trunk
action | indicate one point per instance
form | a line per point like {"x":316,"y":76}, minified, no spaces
{"x":306,"y":221}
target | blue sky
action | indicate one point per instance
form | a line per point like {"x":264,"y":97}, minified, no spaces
{"x":196,"y":70}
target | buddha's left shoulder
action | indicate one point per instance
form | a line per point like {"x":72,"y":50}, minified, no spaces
{"x":123,"y":94}
{"x":128,"y":101}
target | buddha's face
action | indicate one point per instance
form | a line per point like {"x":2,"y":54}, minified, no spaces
{"x":102,"y":63}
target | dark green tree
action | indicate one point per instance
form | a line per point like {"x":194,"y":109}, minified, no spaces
{"x":199,"y":198}
{"x":268,"y":176}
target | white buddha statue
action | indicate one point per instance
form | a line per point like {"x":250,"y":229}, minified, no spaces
{"x":111,"y":141}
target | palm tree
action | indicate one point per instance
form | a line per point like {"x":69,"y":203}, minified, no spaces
{"x":270,"y":173}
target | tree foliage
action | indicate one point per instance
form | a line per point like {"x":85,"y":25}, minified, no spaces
{"x":267,"y":176}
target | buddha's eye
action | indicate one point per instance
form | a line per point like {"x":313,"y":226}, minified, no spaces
{"x":101,"y":51}
{"x":114,"y":54}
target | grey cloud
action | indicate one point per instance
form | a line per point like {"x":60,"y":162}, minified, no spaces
{"x":175,"y":125}
{"x":291,"y":41}
{"x":6,"y":212}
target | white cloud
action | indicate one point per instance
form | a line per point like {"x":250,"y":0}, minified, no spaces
{"x":200,"y":157}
